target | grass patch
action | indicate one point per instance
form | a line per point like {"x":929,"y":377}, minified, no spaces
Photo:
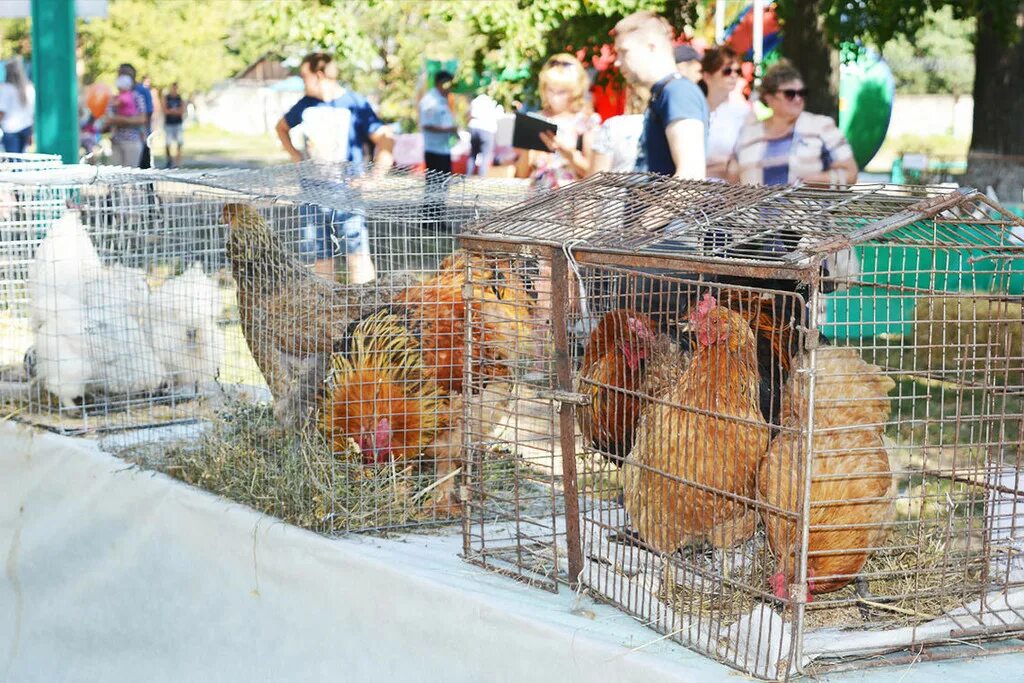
{"x":247,"y":457}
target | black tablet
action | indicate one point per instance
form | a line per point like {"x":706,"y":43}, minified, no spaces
{"x":527,"y":130}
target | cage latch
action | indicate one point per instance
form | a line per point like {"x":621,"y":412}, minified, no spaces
{"x":811,"y":339}
{"x":570,"y":397}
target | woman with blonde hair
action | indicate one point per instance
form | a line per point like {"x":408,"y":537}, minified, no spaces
{"x":563,"y":86}
{"x":17,"y":108}
{"x":792,"y":146}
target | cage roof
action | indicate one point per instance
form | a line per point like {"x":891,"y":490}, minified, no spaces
{"x":645,"y":214}
{"x":341,"y":186}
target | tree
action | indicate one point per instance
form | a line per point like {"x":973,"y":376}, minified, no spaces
{"x":169,"y":41}
{"x":379,"y":46}
{"x":939,"y":59}
{"x":996,"y":155}
{"x":523,"y":33}
{"x":810,"y":46}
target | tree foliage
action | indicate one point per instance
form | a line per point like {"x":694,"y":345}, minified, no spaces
{"x":170,"y":40}
{"x":938,"y":59}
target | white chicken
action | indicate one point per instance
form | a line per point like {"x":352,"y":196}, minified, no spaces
{"x":123,"y":359}
{"x":64,"y":262}
{"x":87,"y":319}
{"x":183,"y":327}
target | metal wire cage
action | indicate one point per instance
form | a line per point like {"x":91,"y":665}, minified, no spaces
{"x":789,"y":419}
{"x":177,"y":317}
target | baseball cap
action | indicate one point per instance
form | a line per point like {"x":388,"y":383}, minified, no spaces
{"x":685,"y":53}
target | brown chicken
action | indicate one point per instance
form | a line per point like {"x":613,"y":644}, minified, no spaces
{"x":773,"y":320}
{"x":614,"y":374}
{"x":381,"y":395}
{"x":397,"y":381}
{"x":703,"y":442}
{"x":851,"y":483}
{"x":292,"y":319}
{"x":501,"y":314}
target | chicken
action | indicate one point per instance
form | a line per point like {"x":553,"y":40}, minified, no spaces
{"x":124,"y":361}
{"x":501,"y":304}
{"x":381,"y":394}
{"x":182,"y":322}
{"x":64,"y":261}
{"x":852,"y":483}
{"x":292,"y":319}
{"x":774,"y":319}
{"x":397,"y":380}
{"x":89,"y":335}
{"x":612,"y":375}
{"x":702,"y":444}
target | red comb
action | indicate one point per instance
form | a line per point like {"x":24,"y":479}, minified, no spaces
{"x":638,"y":328}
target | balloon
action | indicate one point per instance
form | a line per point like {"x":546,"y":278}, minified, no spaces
{"x":97,"y":96}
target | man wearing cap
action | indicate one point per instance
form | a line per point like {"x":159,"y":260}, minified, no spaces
{"x":688,"y":62}
{"x":676,"y":121}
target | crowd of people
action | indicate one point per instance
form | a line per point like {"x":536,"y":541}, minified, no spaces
{"x":128,"y":116}
{"x":686,"y":116}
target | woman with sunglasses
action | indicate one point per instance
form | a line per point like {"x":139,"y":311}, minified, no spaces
{"x":563,"y":86}
{"x":721,"y":67}
{"x":792,"y":146}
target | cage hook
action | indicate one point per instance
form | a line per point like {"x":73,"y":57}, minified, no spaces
{"x":585,"y":317}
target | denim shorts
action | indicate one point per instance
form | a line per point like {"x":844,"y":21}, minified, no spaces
{"x":327,"y":232}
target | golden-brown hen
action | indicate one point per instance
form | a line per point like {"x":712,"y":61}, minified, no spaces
{"x":381,"y":395}
{"x":705,"y":440}
{"x":852,"y":486}
{"x":501,"y":306}
{"x":396,"y":382}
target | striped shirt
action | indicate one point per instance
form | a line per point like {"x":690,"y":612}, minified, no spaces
{"x":814,"y":144}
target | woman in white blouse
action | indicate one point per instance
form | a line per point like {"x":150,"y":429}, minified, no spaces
{"x":17,"y":108}
{"x":721,"y":74}
{"x":615,"y":144}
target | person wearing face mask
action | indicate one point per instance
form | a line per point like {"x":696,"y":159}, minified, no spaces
{"x":563,"y":86}
{"x":337,"y":125}
{"x":792,"y":146}
{"x":721,"y":73}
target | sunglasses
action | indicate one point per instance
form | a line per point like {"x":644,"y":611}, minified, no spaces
{"x":791,"y":93}
{"x":560,"y":62}
{"x":729,"y":71}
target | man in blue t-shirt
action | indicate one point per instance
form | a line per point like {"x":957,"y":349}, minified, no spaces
{"x":676,"y":121}
{"x":337,"y":124}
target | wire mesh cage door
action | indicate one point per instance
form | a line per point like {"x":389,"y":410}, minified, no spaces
{"x":519,"y":436}
{"x":914,"y":534}
{"x":683,"y":378}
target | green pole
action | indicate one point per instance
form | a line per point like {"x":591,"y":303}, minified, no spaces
{"x":53,"y":72}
